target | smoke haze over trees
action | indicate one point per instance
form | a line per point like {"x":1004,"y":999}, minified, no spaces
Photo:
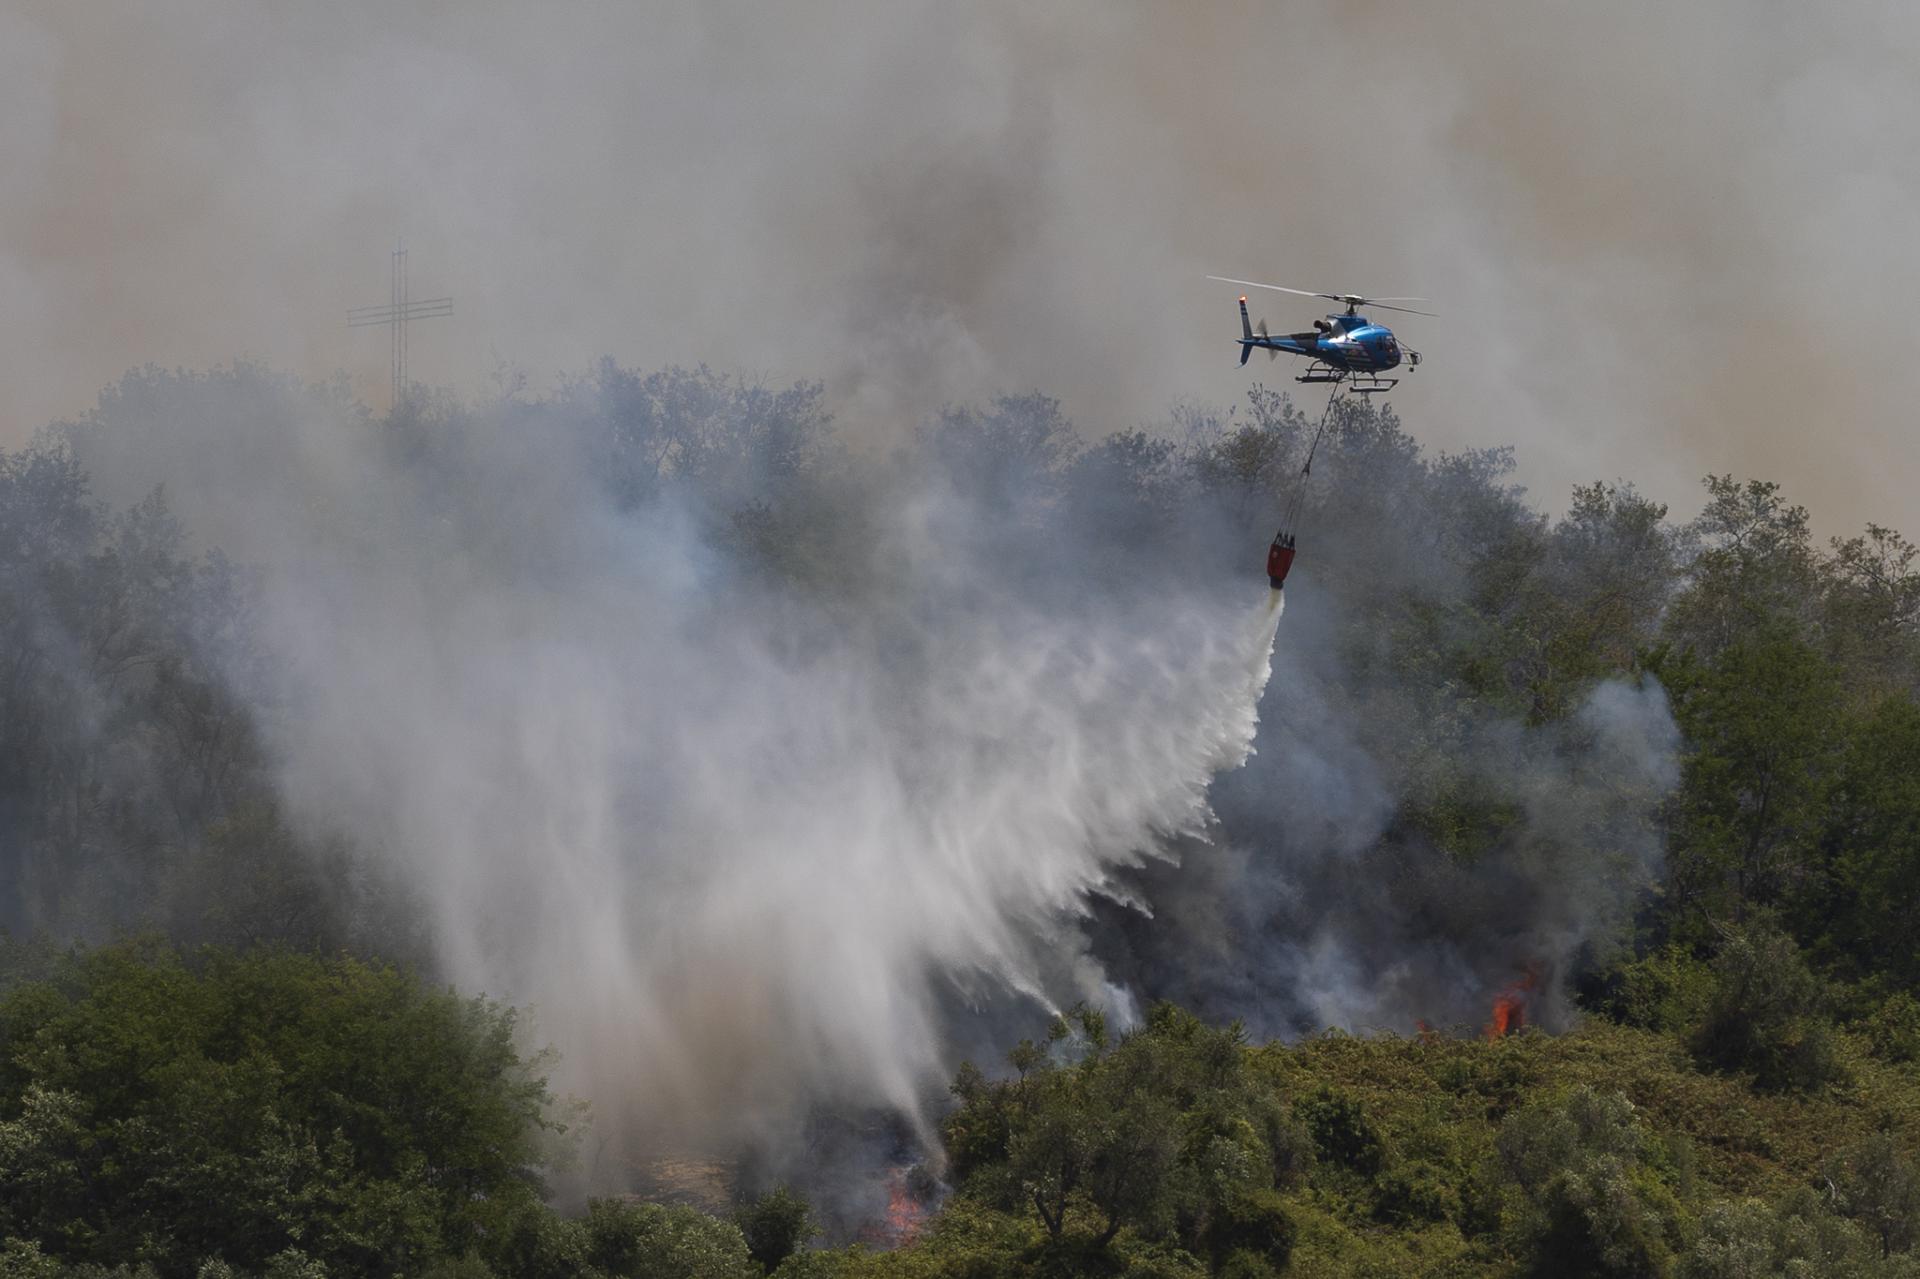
{"x":830,"y":767}
{"x":517,"y":675}
{"x":1665,"y":242}
{"x":651,"y":667}
{"x":775,"y":777}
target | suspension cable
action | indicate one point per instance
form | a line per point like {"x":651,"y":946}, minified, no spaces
{"x":1300,"y":485}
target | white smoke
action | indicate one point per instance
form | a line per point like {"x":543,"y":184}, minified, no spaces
{"x":735,"y":848}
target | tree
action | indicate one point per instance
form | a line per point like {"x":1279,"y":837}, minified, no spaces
{"x":1877,"y":1185}
{"x":1007,"y":459}
{"x":775,"y":1225}
{"x":661,"y":1241}
{"x":1160,"y":1133}
{"x":1761,"y":724}
{"x":1798,"y":1235}
{"x":152,"y":1109}
{"x":1767,"y":1013}
{"x":1586,"y":1206}
{"x":1752,"y":567}
{"x":1864,"y":907}
{"x":1870,"y":608}
{"x":1339,"y":1127}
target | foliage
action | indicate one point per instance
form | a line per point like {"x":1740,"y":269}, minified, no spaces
{"x":164,"y":1109}
{"x":1159,"y":1133}
{"x":775,"y":1225}
{"x":134,"y":787}
{"x":1876,"y":1184}
{"x":1760,"y":721}
{"x":1339,"y":1127}
{"x":250,"y":1112}
{"x":1586,"y":1204}
{"x":1767,"y":1013}
{"x":658,"y":1241}
{"x":1746,"y":1238}
{"x":1601,"y":1151}
{"x":1667,"y":990}
{"x":1894,"y":1028}
{"x":1860,"y":909}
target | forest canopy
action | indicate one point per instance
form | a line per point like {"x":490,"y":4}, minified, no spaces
{"x":1650,"y":781}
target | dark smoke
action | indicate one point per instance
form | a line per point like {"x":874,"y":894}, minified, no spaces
{"x":776,"y":778}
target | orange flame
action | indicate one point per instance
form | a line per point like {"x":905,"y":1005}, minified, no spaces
{"x":1510,"y":1006}
{"x":906,"y":1215}
{"x":907,"y":1210}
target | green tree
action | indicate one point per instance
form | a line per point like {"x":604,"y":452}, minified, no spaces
{"x":1748,"y":1239}
{"x":1160,"y":1133}
{"x":1587,"y":1204}
{"x":1761,"y":723}
{"x":1877,"y":1185}
{"x":1870,"y":609}
{"x":1752,"y":568}
{"x":1767,"y":1013}
{"x":775,"y":1225}
{"x":1339,"y":1127}
{"x":155,"y":1110}
{"x":1864,"y":907}
{"x":660,"y":1241}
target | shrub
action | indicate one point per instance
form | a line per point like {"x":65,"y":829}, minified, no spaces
{"x":1341,"y":1131}
{"x":1252,"y":1224}
{"x":658,"y":1241}
{"x":1893,"y":1029}
{"x":1415,"y":1192}
{"x":1767,"y":1014}
{"x":22,"y":1259}
{"x":775,"y":1225}
{"x":1877,"y":1185}
{"x":1665,"y":991}
{"x":256,"y":1104}
{"x":1747,"y":1239}
{"x":1586,"y":1204}
{"x":1247,"y":1265}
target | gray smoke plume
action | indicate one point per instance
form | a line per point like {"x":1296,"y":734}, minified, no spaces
{"x":1410,"y":838}
{"x":760,"y":786}
{"x":775,"y":778}
{"x":1664,"y":241}
{"x":737,"y":840}
{"x":1318,"y":907}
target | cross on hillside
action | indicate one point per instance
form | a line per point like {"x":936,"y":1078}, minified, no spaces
{"x":395,"y":314}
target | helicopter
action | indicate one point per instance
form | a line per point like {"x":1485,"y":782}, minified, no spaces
{"x":1345,"y":347}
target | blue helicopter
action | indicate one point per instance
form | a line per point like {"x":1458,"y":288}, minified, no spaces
{"x":1345,"y":347}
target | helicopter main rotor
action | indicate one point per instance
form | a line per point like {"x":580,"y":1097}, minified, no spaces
{"x":1352,"y":301}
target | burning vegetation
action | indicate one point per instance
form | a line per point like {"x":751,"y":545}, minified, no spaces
{"x":913,"y":1194}
{"x":1510,"y":1006}
{"x":1485,"y":728}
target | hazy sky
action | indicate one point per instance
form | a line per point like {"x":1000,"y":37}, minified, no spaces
{"x":1663,"y":239}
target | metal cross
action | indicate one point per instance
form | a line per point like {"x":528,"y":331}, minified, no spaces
{"x":395,"y":314}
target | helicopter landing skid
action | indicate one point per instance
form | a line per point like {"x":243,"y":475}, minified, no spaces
{"x":1359,"y":383}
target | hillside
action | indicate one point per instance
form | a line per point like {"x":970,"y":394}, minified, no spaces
{"x":777,"y":778}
